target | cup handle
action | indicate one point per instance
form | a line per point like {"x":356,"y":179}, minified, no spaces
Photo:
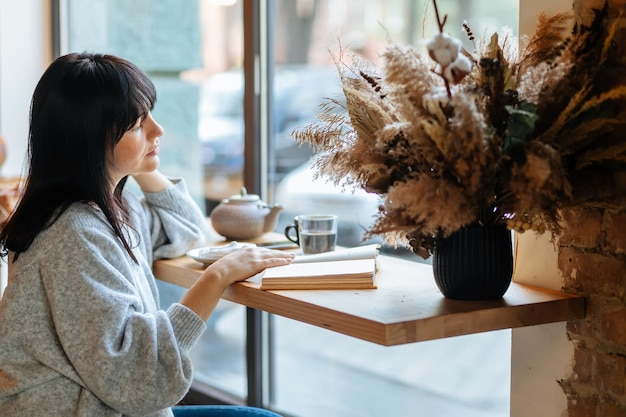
{"x":288,"y":230}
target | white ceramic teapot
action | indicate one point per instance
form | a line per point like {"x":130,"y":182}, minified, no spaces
{"x":244,"y":216}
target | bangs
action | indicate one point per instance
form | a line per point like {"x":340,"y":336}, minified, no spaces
{"x":141,"y":95}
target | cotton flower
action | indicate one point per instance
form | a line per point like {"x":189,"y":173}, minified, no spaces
{"x":456,"y":71}
{"x":444,"y":49}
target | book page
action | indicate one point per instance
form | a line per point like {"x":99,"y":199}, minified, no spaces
{"x":358,"y":252}
{"x":313,"y":269}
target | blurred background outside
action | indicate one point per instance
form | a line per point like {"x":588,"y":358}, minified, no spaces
{"x":193,"y":50}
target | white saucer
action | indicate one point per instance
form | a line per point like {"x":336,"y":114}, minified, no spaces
{"x":211,"y":254}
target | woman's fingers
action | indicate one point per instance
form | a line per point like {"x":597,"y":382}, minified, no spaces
{"x":248,"y":261}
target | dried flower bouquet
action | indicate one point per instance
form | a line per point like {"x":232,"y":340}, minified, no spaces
{"x":496,"y":135}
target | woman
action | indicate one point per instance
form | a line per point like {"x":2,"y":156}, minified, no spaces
{"x":80,"y":329}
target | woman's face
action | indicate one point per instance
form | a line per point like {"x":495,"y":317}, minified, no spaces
{"x":138,"y":150}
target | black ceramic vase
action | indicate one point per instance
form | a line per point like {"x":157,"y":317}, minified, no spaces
{"x":474,"y":263}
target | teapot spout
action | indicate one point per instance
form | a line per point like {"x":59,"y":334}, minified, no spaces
{"x":271,"y":218}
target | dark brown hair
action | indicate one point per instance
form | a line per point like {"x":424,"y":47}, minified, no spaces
{"x":81,"y":108}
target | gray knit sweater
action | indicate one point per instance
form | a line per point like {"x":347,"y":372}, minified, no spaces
{"x":81,"y":333}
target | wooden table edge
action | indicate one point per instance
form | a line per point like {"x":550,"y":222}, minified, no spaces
{"x":554,"y":306}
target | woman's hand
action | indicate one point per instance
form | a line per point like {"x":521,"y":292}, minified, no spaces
{"x":239,"y":265}
{"x":245,"y":263}
{"x":152,"y":182}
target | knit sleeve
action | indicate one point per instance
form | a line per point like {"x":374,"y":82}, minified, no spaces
{"x":131,"y":356}
{"x":176,"y":223}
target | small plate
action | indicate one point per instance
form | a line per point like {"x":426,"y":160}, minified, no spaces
{"x":211,"y":254}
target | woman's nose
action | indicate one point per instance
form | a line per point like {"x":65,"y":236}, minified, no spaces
{"x":156,"y":130}
{"x":159,"y":131}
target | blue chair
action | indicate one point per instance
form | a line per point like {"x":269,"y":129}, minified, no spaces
{"x":221,"y":411}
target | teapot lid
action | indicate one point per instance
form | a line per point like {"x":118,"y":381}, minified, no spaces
{"x":244,"y":197}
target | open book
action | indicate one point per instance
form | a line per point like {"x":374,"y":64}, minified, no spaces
{"x":353,"y":268}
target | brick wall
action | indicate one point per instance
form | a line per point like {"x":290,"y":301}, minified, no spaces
{"x":592,"y":258}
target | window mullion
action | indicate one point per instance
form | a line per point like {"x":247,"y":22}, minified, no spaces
{"x":257,"y":121}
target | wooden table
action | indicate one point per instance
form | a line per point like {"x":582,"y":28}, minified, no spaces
{"x":407,"y":306}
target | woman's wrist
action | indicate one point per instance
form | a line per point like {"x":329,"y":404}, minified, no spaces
{"x":204,"y":295}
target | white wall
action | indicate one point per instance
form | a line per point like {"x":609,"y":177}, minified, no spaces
{"x":24,"y":27}
{"x":540,"y":355}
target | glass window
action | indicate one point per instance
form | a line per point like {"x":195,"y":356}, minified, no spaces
{"x":316,"y":371}
{"x":193,"y":50}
